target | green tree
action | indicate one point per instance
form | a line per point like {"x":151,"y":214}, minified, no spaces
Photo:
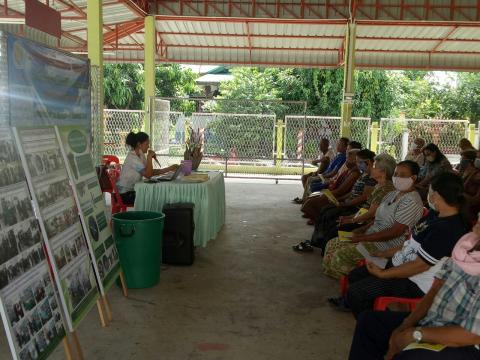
{"x":123,"y":86}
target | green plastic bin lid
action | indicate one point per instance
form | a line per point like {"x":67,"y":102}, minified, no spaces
{"x":135,"y":216}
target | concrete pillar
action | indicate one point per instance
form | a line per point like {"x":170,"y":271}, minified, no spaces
{"x":150,"y":48}
{"x":95,"y":54}
{"x":348,"y":80}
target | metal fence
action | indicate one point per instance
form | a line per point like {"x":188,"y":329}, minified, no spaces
{"x":271,"y":144}
{"x":396,"y":135}
{"x":302,"y":134}
{"x":118,"y":123}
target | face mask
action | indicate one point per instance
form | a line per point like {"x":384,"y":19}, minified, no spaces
{"x":430,"y":203}
{"x":362,"y":166}
{"x":477,"y":163}
{"x":402,"y":184}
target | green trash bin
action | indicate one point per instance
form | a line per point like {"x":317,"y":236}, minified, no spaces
{"x":138,"y":235}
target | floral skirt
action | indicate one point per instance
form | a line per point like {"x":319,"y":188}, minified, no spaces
{"x":342,"y":257}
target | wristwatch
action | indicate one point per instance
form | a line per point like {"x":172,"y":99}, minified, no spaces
{"x":417,"y":334}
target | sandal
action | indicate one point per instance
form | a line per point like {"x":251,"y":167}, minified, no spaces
{"x":303,"y":247}
{"x":298,"y":201}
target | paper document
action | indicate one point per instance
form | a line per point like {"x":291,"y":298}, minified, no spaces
{"x":380,"y":262}
{"x":360,"y":212}
{"x":330,"y":197}
{"x":425,"y":346}
{"x":345,"y":236}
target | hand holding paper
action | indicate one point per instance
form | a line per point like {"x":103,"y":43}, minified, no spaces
{"x":380,"y":262}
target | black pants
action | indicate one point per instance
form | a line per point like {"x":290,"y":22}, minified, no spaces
{"x":364,"y":288}
{"x":326,"y":227}
{"x":128,"y":197}
{"x":372,"y":333}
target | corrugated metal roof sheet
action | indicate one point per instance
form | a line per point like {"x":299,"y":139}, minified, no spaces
{"x":379,"y":44}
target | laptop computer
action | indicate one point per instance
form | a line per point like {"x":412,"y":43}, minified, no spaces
{"x":170,"y":176}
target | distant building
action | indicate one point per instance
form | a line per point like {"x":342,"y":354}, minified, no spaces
{"x":210,"y":81}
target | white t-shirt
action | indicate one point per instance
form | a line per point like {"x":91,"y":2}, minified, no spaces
{"x":132,"y":169}
{"x":330,"y":154}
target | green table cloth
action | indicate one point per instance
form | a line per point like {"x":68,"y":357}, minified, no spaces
{"x":208,"y":197}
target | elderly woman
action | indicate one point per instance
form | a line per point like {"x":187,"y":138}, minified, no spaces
{"x":416,"y":262}
{"x":399,"y":211}
{"x":341,"y":187}
{"x":382,"y":171}
{"x":448,"y":315}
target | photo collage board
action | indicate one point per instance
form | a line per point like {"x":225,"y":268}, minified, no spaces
{"x":59,"y":221}
{"x":28,"y":302}
{"x":76,"y":151}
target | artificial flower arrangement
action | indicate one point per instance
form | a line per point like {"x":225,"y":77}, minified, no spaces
{"x":193,"y":147}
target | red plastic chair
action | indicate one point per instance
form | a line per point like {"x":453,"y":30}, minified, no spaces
{"x":117,"y":203}
{"x":381,"y":303}
{"x":108,"y":159}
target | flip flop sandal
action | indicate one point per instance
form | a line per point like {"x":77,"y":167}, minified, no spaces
{"x":302,"y":247}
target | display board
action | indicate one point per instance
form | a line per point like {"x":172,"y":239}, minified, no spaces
{"x":46,"y":86}
{"x":75,"y":146}
{"x":28,"y":303}
{"x":57,"y":213}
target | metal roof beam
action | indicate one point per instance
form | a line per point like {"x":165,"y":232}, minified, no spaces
{"x":251,"y":20}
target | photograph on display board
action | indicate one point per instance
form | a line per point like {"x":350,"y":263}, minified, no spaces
{"x":61,"y":223}
{"x":32,"y":315}
{"x":76,"y":145}
{"x":25,"y":284}
{"x":47,"y":86}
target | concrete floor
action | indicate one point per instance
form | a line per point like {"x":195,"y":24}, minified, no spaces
{"x":248,"y":295}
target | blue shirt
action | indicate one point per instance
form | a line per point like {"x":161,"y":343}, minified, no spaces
{"x":337,"y":163}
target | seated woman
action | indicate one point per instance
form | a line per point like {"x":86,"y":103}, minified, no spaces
{"x":342,"y":186}
{"x":377,"y":185}
{"x":415,"y":264}
{"x":448,"y":315}
{"x":382,"y":171}
{"x":471,"y":180}
{"x":137,"y":165}
{"x":399,"y":211}
{"x":435,"y":164}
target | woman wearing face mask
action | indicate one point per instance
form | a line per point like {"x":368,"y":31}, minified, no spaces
{"x":137,"y":165}
{"x":398,"y":212}
{"x":435,"y":164}
{"x":470,"y":172}
{"x":412,"y":266}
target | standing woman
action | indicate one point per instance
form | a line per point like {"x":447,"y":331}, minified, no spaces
{"x":137,"y":165}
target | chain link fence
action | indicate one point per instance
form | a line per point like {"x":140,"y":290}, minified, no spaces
{"x":396,"y":135}
{"x":117,"y":124}
{"x":239,"y":136}
{"x":303,"y":133}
